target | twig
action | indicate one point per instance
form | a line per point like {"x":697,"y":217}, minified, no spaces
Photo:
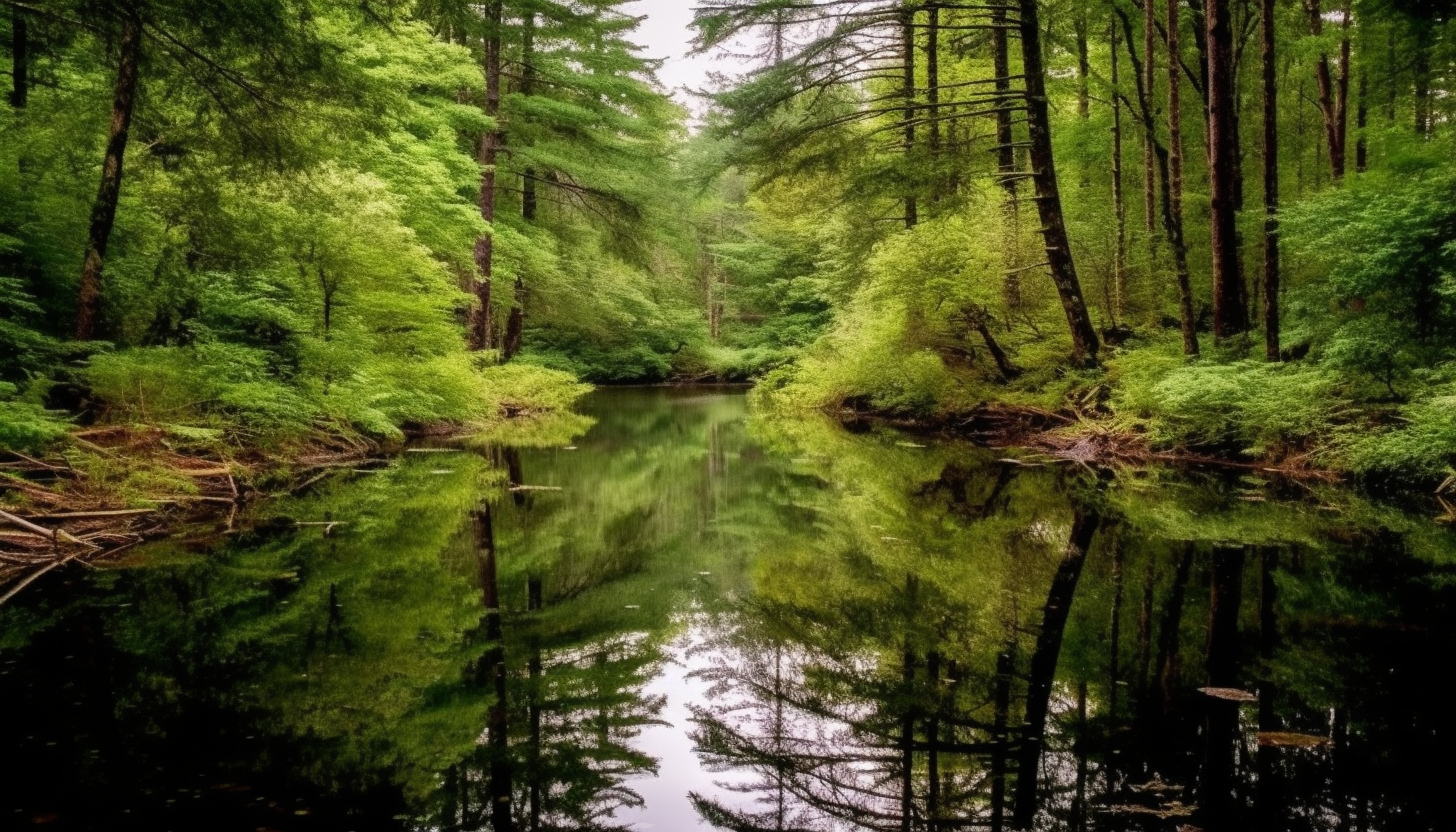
{"x":33,"y":461}
{"x":93,"y":515}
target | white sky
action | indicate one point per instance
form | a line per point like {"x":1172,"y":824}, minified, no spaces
{"x":666,"y":33}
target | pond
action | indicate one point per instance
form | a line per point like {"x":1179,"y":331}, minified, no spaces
{"x":668,"y":614}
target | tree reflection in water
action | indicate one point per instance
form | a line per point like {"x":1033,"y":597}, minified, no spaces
{"x":884,"y":635}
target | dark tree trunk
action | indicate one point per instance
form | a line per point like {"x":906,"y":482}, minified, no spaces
{"x":1362,"y":121}
{"x":482,"y":330}
{"x":1230,"y":312}
{"x":20,"y":64}
{"x":1044,"y":665}
{"x":103,"y":212}
{"x":1048,"y":192}
{"x":1333,"y":89}
{"x":1114,"y":659}
{"x":1172,"y":221}
{"x":1119,"y":196}
{"x":907,"y":93}
{"x":1149,"y":83}
{"x":1084,"y":67}
{"x":1003,"y":363}
{"x":1421,"y":69}
{"x":1006,"y":154}
{"x":932,"y":95}
{"x":515,"y":324}
{"x":1187,"y":320}
{"x":1271,"y":182}
{"x":528,"y":87}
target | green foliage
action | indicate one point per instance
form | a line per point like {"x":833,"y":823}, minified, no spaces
{"x":25,"y":426}
{"x":1384,"y":243}
{"x":526,"y":388}
{"x":1253,"y":407}
{"x":1421,"y":445}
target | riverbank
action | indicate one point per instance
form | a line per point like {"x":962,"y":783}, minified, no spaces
{"x":92,"y":493}
{"x":1149,"y":403}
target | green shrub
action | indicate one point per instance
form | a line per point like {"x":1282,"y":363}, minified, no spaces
{"x":1259,"y":408}
{"x":529,"y":388}
{"x":25,"y":426}
{"x":208,"y":385}
{"x":1422,"y":447}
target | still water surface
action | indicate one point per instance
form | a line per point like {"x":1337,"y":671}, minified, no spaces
{"x":708,"y":621}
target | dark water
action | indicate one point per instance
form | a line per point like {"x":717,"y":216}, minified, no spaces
{"x":776,"y":625}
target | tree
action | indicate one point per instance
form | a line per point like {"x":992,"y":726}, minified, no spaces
{"x":1230,"y":309}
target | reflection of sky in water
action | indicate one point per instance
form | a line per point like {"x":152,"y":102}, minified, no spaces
{"x":667,"y":805}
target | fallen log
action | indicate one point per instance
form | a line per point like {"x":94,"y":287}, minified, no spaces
{"x":94,"y":515}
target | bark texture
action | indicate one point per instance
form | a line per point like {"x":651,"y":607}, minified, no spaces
{"x":103,"y":211}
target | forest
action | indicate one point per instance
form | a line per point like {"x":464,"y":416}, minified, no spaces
{"x":256,"y":228}
{"x":424,"y":415}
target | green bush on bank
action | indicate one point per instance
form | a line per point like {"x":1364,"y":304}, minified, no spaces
{"x":238,"y":391}
{"x":1255,"y":408}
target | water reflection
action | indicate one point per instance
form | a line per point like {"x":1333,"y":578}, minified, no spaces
{"x":664,"y":616}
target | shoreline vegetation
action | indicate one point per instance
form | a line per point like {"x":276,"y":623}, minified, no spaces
{"x":91,"y":494}
{"x":250,"y":237}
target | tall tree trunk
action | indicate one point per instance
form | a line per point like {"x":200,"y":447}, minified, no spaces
{"x":1187,"y":321}
{"x":1084,"y":67}
{"x":1172,"y":222}
{"x":528,"y":87}
{"x":1048,"y":192}
{"x":907,"y":93}
{"x":1362,"y":122}
{"x":1271,"y":182}
{"x":1230,"y":312}
{"x":1044,"y":665}
{"x":482,"y":330}
{"x":20,"y":64}
{"x":1333,"y":90}
{"x":103,"y":212}
{"x":1119,"y":197}
{"x":1006,"y":155}
{"x":1421,"y":69}
{"x":932,"y":95}
{"x":1149,"y":83}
